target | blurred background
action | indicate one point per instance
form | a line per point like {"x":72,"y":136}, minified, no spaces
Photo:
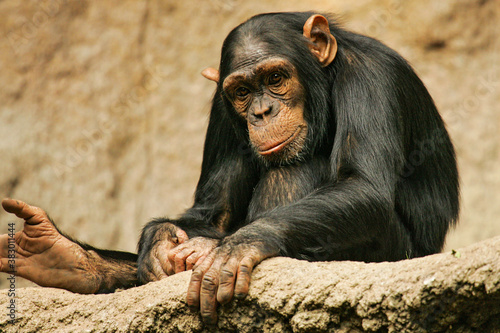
{"x":103,"y":111}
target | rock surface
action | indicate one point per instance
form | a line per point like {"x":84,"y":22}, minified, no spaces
{"x":447,"y":292}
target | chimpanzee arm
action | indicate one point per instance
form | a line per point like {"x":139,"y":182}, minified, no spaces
{"x":222,"y":195}
{"x":226,"y":181}
{"x":356,"y":216}
{"x":349,"y":220}
{"x":117,"y":269}
{"x":352,"y":218}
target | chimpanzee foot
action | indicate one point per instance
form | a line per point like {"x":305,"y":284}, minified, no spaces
{"x":45,"y":256}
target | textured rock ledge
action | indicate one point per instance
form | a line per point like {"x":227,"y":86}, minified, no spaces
{"x":445,"y":292}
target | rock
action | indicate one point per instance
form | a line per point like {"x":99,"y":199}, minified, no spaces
{"x":456,"y":292}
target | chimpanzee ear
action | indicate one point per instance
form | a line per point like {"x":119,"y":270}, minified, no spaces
{"x":211,"y":73}
{"x":323,"y":45}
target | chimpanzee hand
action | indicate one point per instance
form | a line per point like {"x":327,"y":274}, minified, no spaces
{"x":166,"y":250}
{"x":190,"y":253}
{"x":223,"y":274}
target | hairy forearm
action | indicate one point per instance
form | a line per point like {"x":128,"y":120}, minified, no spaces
{"x":323,"y":223}
{"x":113,"y":269}
{"x":198,"y":227}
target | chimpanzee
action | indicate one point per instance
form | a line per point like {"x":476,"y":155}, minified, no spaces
{"x":322,"y":144}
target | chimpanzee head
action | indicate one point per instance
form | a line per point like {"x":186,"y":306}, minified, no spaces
{"x":274,"y":83}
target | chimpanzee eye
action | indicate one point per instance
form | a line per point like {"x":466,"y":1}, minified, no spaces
{"x":242,"y":92}
{"x":275,"y":78}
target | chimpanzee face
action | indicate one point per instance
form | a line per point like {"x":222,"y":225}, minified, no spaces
{"x":266,"y":93}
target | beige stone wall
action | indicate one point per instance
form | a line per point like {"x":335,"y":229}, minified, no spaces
{"x":103,"y":111}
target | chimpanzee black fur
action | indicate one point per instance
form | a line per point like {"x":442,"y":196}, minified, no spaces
{"x":377,"y":179}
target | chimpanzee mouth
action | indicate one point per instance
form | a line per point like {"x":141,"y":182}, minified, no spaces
{"x":279,"y":146}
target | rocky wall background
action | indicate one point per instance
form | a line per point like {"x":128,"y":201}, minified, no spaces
{"x":103,"y":111}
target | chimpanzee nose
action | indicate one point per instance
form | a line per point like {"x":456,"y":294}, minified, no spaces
{"x":262,"y":112}
{"x":261,"y":116}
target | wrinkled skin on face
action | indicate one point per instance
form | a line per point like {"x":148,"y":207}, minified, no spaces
{"x":269,"y":97}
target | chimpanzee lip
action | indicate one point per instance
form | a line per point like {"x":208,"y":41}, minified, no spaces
{"x":276,"y":148}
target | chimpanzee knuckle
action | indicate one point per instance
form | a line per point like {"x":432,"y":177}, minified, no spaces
{"x":226,"y":274}
{"x":209,"y":283}
{"x":241,"y":287}
{"x":189,"y":264}
{"x":197,"y":275}
{"x":171,"y":256}
{"x":4,"y":267}
{"x":206,"y":314}
{"x":245,"y":269}
{"x":199,"y":261}
{"x":179,"y":258}
{"x":179,"y":265}
{"x":35,"y":210}
{"x":251,"y":260}
{"x":181,"y":235}
{"x":191,"y":260}
{"x":174,"y":250}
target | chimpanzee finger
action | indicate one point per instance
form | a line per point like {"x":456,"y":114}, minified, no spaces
{"x":181,"y":235}
{"x":13,"y":206}
{"x":193,"y":293}
{"x":208,"y":292}
{"x":171,"y":253}
{"x":23,"y":210}
{"x":158,"y":271}
{"x":4,"y":246}
{"x":180,"y":259}
{"x":20,"y":268}
{"x":243,"y":277}
{"x":191,"y":260}
{"x":160,"y":254}
{"x":5,"y":267}
{"x":199,"y":261}
{"x":227,"y":280}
